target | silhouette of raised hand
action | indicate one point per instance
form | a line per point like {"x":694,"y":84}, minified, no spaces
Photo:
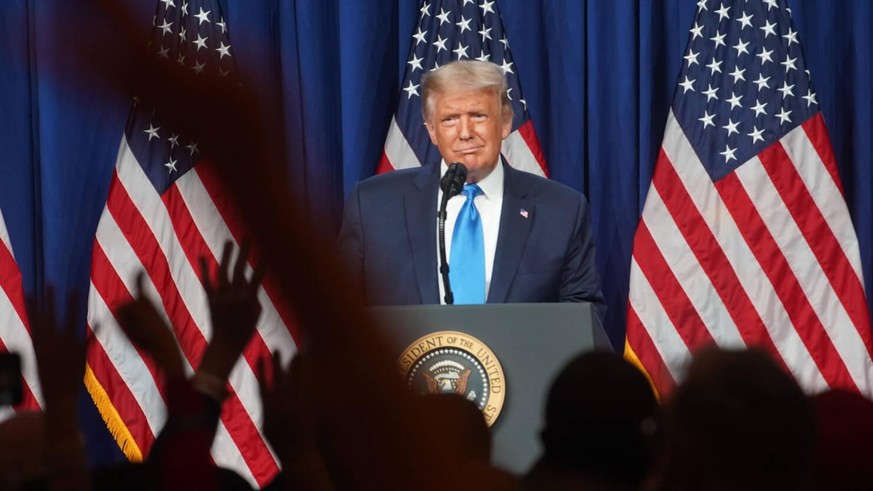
{"x":145,"y":328}
{"x":234,"y":310}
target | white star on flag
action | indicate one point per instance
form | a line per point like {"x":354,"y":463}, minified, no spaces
{"x":745,"y":238}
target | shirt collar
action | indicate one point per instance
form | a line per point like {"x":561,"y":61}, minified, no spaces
{"x":492,"y":185}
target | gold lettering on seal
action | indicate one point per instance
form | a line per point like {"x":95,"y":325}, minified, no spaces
{"x":474,"y":351}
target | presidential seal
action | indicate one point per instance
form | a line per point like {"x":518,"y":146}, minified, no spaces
{"x":451,"y":362}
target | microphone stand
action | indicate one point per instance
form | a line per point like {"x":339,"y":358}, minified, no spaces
{"x":451,"y":185}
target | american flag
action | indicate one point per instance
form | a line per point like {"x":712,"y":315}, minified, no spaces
{"x":165,"y":209}
{"x":450,"y":30}
{"x":14,"y":329}
{"x":745,"y":237}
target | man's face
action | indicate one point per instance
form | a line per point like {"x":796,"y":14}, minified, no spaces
{"x":468,"y":126}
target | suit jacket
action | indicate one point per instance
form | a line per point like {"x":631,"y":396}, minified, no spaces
{"x":544,"y":250}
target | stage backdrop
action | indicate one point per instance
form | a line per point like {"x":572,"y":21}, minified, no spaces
{"x":598,"y":77}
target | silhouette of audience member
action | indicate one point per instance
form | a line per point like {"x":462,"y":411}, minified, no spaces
{"x":180,"y":458}
{"x":45,"y":450}
{"x":60,"y":360}
{"x":22,"y":449}
{"x":737,"y":421}
{"x":131,"y":476}
{"x":464,"y":426}
{"x":465,"y":432}
{"x":844,"y":441}
{"x":600,"y":418}
{"x":291,"y":425}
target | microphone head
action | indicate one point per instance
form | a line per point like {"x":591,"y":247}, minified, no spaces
{"x":453,"y":181}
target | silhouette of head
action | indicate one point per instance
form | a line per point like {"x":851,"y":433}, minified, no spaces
{"x":599,"y":415}
{"x":843,"y":442}
{"x":737,"y":421}
{"x":465,"y":427}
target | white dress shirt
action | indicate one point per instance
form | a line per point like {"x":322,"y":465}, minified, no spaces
{"x":489,"y":204}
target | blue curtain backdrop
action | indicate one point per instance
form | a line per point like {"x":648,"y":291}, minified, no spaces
{"x":598,"y":77}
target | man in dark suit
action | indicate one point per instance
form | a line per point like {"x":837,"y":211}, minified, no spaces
{"x":536,"y":233}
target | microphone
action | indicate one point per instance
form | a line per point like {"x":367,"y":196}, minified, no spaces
{"x":452,"y":183}
{"x":453,"y":180}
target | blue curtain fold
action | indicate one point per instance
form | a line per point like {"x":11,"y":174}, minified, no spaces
{"x":18,"y":152}
{"x":598,"y":77}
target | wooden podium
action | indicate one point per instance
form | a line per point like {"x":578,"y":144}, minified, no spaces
{"x":531,"y":342}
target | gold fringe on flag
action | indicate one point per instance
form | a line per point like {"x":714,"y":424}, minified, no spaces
{"x":631,"y":357}
{"x":110,"y":416}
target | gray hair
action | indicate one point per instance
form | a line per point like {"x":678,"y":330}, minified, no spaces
{"x":463,"y":75}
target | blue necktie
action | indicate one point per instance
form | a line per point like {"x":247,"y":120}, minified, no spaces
{"x":467,"y":261}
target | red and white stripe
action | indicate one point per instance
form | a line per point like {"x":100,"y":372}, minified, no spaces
{"x":164,"y":235}
{"x":766,"y":256}
{"x":14,"y":329}
{"x":521,"y":149}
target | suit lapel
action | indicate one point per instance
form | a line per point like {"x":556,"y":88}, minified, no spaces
{"x":420,"y":206}
{"x":516,"y":217}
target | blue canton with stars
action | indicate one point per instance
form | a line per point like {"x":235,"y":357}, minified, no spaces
{"x":450,"y":30}
{"x":193,"y":34}
{"x":744,"y":83}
